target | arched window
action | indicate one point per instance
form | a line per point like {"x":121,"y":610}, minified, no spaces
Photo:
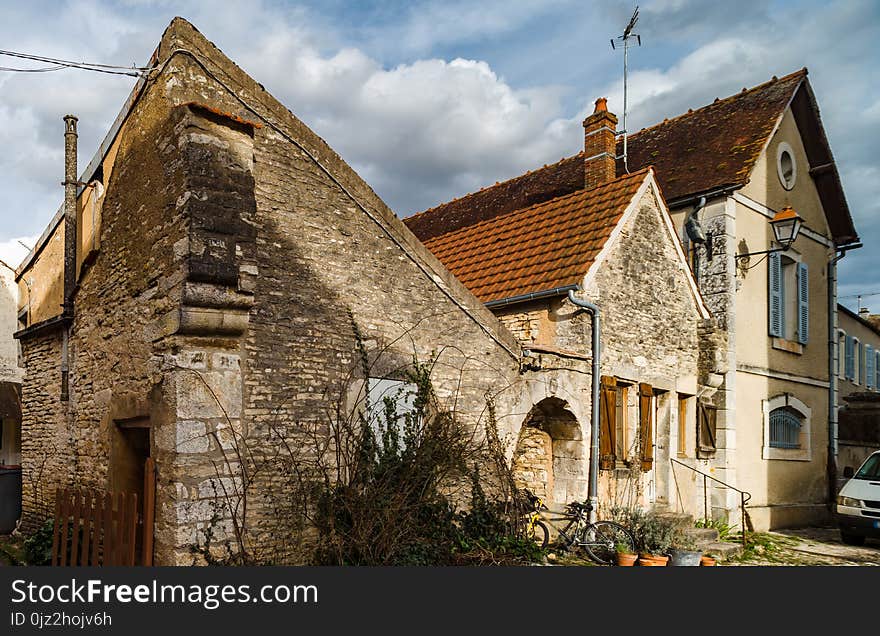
{"x":787,"y":423}
{"x":785,"y":428}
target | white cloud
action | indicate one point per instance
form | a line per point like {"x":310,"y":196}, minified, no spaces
{"x":423,"y":129}
{"x":12,"y":252}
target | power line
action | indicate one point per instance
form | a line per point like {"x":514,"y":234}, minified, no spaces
{"x":58,"y":64}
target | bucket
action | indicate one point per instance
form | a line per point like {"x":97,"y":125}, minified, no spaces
{"x":684,"y":557}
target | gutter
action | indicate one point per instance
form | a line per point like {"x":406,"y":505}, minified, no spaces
{"x":547,"y":293}
{"x":708,"y":194}
{"x":593,"y":492}
{"x":833,"y":367}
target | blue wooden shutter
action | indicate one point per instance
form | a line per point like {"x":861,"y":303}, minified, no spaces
{"x":775,"y":294}
{"x":861,"y":367}
{"x":877,"y":370}
{"x":849,"y":367}
{"x":803,"y":303}
{"x":869,"y":366}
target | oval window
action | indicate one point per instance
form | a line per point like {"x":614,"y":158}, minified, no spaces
{"x":786,"y":166}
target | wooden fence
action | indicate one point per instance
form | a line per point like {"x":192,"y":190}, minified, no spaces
{"x":94,"y":527}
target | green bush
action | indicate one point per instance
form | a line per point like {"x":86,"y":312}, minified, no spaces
{"x":38,"y":546}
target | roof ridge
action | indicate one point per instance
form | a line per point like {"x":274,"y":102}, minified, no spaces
{"x":746,"y":91}
{"x":581,"y":192}
{"x":497,"y":184}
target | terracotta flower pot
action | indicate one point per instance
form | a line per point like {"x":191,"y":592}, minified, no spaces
{"x":649,"y":562}
{"x":656,"y":559}
{"x":626,"y":559}
{"x":707,"y":560}
{"x":653,"y":559}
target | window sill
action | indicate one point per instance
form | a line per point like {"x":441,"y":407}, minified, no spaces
{"x":790,"y":346}
{"x":786,"y":454}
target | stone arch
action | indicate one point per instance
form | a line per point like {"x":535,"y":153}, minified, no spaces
{"x":550,"y":457}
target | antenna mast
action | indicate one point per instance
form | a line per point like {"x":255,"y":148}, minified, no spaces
{"x":625,"y":38}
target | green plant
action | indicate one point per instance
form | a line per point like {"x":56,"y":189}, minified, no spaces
{"x":622,"y":548}
{"x":725,"y":530}
{"x":38,"y":546}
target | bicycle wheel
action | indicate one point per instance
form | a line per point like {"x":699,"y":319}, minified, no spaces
{"x":601,"y":539}
{"x":540,"y":534}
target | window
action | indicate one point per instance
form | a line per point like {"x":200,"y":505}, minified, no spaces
{"x":621,"y":421}
{"x":869,"y":366}
{"x":786,"y":167}
{"x":841,"y":353}
{"x":391,"y":409}
{"x":789,"y":298}
{"x":857,"y":356}
{"x":877,"y":370}
{"x":786,"y":428}
{"x":707,"y":420}
{"x":682,"y":424}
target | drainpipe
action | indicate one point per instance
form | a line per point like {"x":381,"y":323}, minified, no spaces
{"x":70,"y":185}
{"x":833,"y":368}
{"x":593,"y":492}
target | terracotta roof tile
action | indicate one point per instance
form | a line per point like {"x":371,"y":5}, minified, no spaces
{"x":547,"y":245}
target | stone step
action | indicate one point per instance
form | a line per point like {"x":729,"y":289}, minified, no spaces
{"x":702,"y":535}
{"x":722,"y":549}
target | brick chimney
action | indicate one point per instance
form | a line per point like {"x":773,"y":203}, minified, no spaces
{"x":600,"y":147}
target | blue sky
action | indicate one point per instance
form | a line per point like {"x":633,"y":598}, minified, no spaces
{"x":429,"y":100}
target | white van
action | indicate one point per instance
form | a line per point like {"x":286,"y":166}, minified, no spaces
{"x":858,"y":502}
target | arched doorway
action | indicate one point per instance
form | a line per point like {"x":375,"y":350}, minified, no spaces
{"x":550,"y":458}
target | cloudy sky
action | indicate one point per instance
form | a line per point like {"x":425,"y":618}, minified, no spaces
{"x":428,"y":100}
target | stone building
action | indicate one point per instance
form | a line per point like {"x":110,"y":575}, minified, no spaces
{"x":613,"y":243}
{"x":725,"y":170}
{"x":228,"y":267}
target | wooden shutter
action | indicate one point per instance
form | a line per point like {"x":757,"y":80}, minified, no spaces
{"x":774,"y":269}
{"x":877,"y":370}
{"x":706,"y":419}
{"x":869,"y":366}
{"x":849,"y":352}
{"x":646,"y":419}
{"x":860,"y":369}
{"x":803,"y":303}
{"x":607,"y":424}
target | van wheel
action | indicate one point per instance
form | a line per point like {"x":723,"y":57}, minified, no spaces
{"x":852,"y":539}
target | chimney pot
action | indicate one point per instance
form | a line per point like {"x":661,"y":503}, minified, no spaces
{"x":600,"y":146}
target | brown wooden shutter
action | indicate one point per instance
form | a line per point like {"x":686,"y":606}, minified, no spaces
{"x":607,"y":424}
{"x":646,"y":434}
{"x":706,"y":421}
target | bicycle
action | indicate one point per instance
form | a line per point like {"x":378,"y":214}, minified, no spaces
{"x":535,"y":528}
{"x":599,"y":539}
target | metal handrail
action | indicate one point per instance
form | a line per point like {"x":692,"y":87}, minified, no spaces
{"x":744,"y":496}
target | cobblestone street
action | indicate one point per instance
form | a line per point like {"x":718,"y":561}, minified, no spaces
{"x":807,"y":546}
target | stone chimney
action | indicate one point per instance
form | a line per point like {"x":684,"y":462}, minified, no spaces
{"x":864,"y":312}
{"x":600,"y":147}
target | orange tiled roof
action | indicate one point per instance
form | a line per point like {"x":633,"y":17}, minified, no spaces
{"x":547,"y":245}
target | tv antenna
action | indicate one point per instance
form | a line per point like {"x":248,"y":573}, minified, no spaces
{"x":625,"y":38}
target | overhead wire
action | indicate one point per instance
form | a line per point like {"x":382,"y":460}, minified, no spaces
{"x":58,"y":64}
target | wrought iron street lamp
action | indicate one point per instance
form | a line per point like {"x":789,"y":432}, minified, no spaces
{"x":786,"y":226}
